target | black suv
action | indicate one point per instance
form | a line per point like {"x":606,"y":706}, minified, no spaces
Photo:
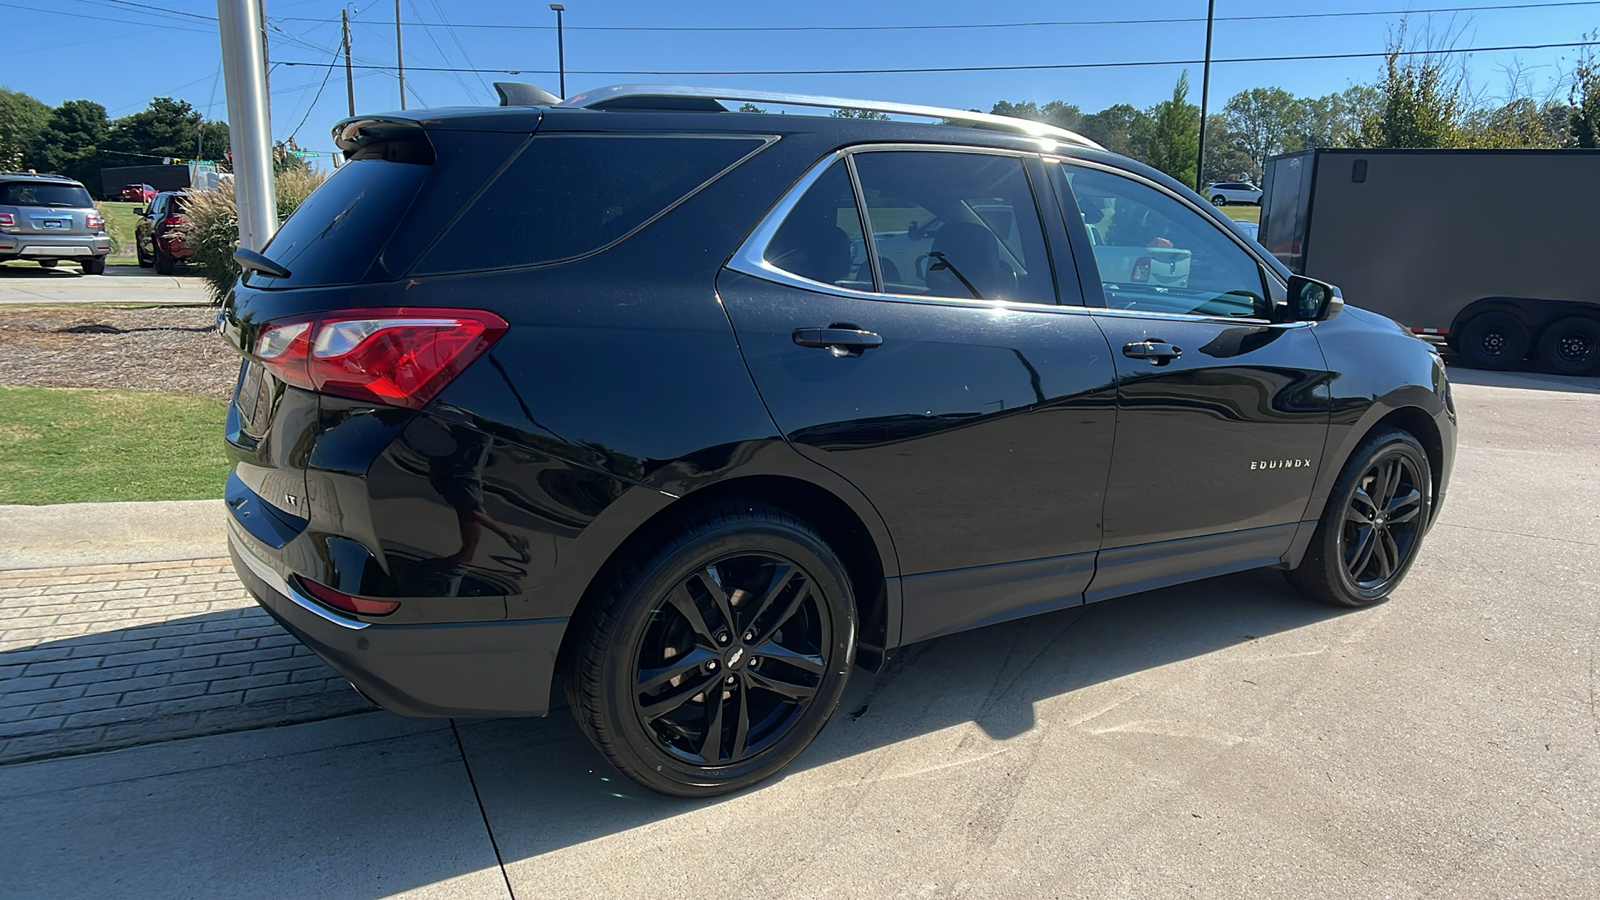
{"x":700,"y":409}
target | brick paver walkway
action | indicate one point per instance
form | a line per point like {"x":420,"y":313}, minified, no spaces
{"x":95,"y":657}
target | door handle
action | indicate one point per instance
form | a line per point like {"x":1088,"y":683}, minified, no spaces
{"x":1159,"y":352}
{"x":841,"y":340}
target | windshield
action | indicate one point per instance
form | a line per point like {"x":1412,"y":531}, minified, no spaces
{"x":29,"y":193}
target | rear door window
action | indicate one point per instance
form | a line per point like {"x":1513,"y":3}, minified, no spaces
{"x":820,"y":238}
{"x":566,"y":196}
{"x":956,"y":225}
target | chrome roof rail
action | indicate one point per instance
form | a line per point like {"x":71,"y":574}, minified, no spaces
{"x":599,"y":98}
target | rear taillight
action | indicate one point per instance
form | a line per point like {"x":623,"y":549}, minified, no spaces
{"x":347,"y":602}
{"x":1141,"y":270}
{"x":94,"y":220}
{"x":172,"y":220}
{"x":398,"y":357}
{"x":7,"y":219}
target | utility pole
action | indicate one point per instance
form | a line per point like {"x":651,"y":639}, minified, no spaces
{"x":244,"y":66}
{"x":1205,"y":94}
{"x":399,"y":55}
{"x":349,"y":79}
{"x":561,"y":48}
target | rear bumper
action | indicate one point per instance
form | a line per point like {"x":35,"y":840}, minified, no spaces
{"x":67,"y":246}
{"x":501,"y":668}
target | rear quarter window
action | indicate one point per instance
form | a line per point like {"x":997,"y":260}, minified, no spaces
{"x":336,"y":234}
{"x":566,"y":196}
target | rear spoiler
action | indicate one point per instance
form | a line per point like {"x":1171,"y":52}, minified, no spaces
{"x":397,"y":140}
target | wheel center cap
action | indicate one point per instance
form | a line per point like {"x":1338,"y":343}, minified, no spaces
{"x":735,"y":657}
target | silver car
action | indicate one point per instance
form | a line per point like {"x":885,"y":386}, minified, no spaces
{"x":49,"y":218}
{"x":1221,"y":193}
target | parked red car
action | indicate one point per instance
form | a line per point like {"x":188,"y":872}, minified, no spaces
{"x":155,"y":240}
{"x":138,"y":193}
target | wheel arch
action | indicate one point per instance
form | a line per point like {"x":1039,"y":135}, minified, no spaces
{"x":1413,"y":410}
{"x":858,"y":536}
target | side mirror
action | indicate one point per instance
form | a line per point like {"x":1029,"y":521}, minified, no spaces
{"x":1311,"y":300}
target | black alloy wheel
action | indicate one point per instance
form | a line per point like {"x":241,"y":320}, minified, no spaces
{"x":1494,"y":340}
{"x":1571,"y":346}
{"x":1372,"y":525}
{"x":719,"y":653}
{"x":1382,"y":521}
{"x":733,"y":657}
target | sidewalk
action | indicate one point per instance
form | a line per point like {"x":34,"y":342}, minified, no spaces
{"x":120,"y":284}
{"x":96,"y":655}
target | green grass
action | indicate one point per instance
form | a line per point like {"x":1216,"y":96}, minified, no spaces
{"x":120,"y":220}
{"x":68,"y":445}
{"x":1241,"y":213}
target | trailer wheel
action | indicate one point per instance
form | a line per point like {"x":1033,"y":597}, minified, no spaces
{"x":1571,"y":346}
{"x":1494,"y":340}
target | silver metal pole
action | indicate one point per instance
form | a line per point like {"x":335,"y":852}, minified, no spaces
{"x":244,"y":66}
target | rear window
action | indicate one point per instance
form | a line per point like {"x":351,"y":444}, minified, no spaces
{"x":334,"y":237}
{"x":39,"y":193}
{"x":569,"y":195}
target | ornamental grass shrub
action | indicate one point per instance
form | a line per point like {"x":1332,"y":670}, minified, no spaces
{"x":211,"y":226}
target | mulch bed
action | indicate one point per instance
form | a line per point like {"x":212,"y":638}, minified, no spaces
{"x":172,"y":348}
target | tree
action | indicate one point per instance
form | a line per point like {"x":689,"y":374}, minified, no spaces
{"x":1024,"y":110}
{"x":751,"y":107}
{"x":1335,"y":120}
{"x":1584,"y":121}
{"x":1120,"y":129}
{"x":1420,"y":102}
{"x":1173,"y":139}
{"x":848,"y":113}
{"x":22,"y":118}
{"x":1224,"y":160}
{"x":72,"y":141}
{"x":167,"y":127}
{"x":1264,"y":122}
{"x":1062,"y":115}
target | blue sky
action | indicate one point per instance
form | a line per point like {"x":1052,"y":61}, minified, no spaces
{"x":121,"y":52}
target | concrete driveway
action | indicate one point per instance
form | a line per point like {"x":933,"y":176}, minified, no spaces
{"x":120,"y":284}
{"x":1227,"y":738}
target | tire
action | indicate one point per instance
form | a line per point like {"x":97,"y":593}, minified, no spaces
{"x":777,"y":676}
{"x":95,"y":266}
{"x":1219,"y":200}
{"x":1494,"y":340}
{"x":1571,"y":346}
{"x":165,"y":265}
{"x":145,"y":262}
{"x":1357,"y":557}
{"x":48,"y":263}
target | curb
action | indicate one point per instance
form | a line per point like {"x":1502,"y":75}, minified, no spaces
{"x":85,"y":534}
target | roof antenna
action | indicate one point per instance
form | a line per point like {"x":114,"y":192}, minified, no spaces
{"x":514,"y":93}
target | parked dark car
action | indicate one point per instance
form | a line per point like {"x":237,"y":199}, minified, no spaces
{"x":157,"y":240}
{"x":50,"y":218}
{"x":138,"y":193}
{"x":619,"y":388}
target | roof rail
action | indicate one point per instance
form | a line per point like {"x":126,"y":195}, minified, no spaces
{"x":628,"y":95}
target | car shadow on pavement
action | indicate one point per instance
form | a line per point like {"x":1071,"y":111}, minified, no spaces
{"x":544,"y":787}
{"x":419,"y":793}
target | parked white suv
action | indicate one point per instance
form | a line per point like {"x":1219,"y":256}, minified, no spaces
{"x":1224,"y":192}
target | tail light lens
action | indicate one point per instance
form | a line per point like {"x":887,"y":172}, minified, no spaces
{"x":7,"y":219}
{"x":172,"y":220}
{"x":348,"y":602}
{"x":398,"y":357}
{"x":1141,"y":270}
{"x":94,"y":220}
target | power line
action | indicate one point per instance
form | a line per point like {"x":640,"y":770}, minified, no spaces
{"x":61,"y":12}
{"x":1014,"y":68}
{"x":1174,"y":20}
